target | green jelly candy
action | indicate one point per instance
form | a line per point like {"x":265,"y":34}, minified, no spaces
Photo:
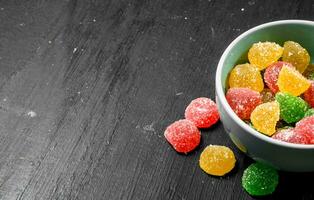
{"x":310,"y":112}
{"x":292,"y":109}
{"x":259,"y":179}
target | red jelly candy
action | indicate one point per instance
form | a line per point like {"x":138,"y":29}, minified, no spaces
{"x":243,"y":101}
{"x":289,"y":135}
{"x":203,"y":112}
{"x":183,"y":135}
{"x":271,"y":75}
{"x":306,"y":126}
{"x":309,"y":95}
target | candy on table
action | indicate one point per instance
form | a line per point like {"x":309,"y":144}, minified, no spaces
{"x":262,"y":54}
{"x":203,"y":112}
{"x":259,"y":179}
{"x":309,"y":95}
{"x":295,"y":54}
{"x":265,"y":117}
{"x":310,"y":112}
{"x":243,"y":101}
{"x":289,"y":135}
{"x":246,"y":76}
{"x":183,"y":135}
{"x":291,"y":81}
{"x":271,"y":74}
{"x":292,"y":108}
{"x":267,"y":95}
{"x":217,"y":160}
{"x":306,"y":126}
{"x":309,"y":72}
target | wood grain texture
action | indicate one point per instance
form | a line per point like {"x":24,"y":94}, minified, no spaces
{"x":88,"y":87}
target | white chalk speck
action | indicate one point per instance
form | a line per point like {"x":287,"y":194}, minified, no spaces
{"x":179,"y":93}
{"x":74,"y":50}
{"x":149,"y":127}
{"x":31,"y":114}
{"x":94,"y":20}
{"x":78,"y":92}
{"x":185,"y":18}
{"x":22,"y":24}
{"x":1,"y":8}
{"x":49,"y":41}
{"x":242,"y":9}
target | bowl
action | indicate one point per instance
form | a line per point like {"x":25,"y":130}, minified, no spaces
{"x":281,"y":155}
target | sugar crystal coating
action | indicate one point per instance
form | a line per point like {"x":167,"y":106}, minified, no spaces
{"x":291,"y":81}
{"x":292,"y":108}
{"x":309,"y":95}
{"x":295,"y":54}
{"x":262,"y":54}
{"x":310,"y":112}
{"x":265,"y":117}
{"x":217,"y":160}
{"x":306,"y":126}
{"x":271,"y":74}
{"x":289,"y":135}
{"x":203,"y":112}
{"x":183,"y":135}
{"x":243,"y":101}
{"x":246,"y":76}
{"x":259,"y":179}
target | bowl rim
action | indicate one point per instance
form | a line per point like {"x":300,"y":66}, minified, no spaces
{"x":221,"y":95}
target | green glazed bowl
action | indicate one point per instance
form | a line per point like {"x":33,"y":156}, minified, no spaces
{"x":281,"y":155}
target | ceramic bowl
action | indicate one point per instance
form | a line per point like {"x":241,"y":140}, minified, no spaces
{"x":281,"y":155}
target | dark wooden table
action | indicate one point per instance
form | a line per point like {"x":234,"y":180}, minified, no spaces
{"x":88,"y":87}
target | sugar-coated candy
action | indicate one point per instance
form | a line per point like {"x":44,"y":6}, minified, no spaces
{"x":310,"y":112}
{"x":295,"y":54}
{"x":309,"y":72}
{"x":217,"y":160}
{"x":265,"y":117}
{"x":243,"y":101}
{"x":290,"y":135}
{"x":267,"y":95}
{"x":262,"y":54}
{"x":306,"y":126}
{"x":292,"y":108}
{"x":246,"y":76}
{"x":291,"y":81}
{"x":183,"y":135}
{"x":309,"y":95}
{"x":259,"y":179}
{"x":271,"y":74}
{"x":203,"y":112}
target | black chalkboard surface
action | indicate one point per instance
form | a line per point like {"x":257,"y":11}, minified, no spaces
{"x":88,"y":87}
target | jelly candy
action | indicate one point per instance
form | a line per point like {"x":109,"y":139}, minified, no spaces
{"x":259,"y":179}
{"x":243,"y":101}
{"x":262,"y":54}
{"x":217,"y":160}
{"x":267,"y":95}
{"x":291,"y":81}
{"x":203,"y":112}
{"x":271,"y":75}
{"x":309,"y":95}
{"x":310,"y":112}
{"x":289,"y":135}
{"x":292,"y":108}
{"x":309,"y":72}
{"x":246,"y":76}
{"x":295,"y":54}
{"x":306,"y":126}
{"x":265,"y":117}
{"x":183,"y":135}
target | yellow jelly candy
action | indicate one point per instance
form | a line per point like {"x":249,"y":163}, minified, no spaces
{"x":295,"y":54}
{"x":246,"y":76}
{"x":292,"y":82}
{"x":265,"y":117}
{"x":217,"y":160}
{"x":263,"y":54}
